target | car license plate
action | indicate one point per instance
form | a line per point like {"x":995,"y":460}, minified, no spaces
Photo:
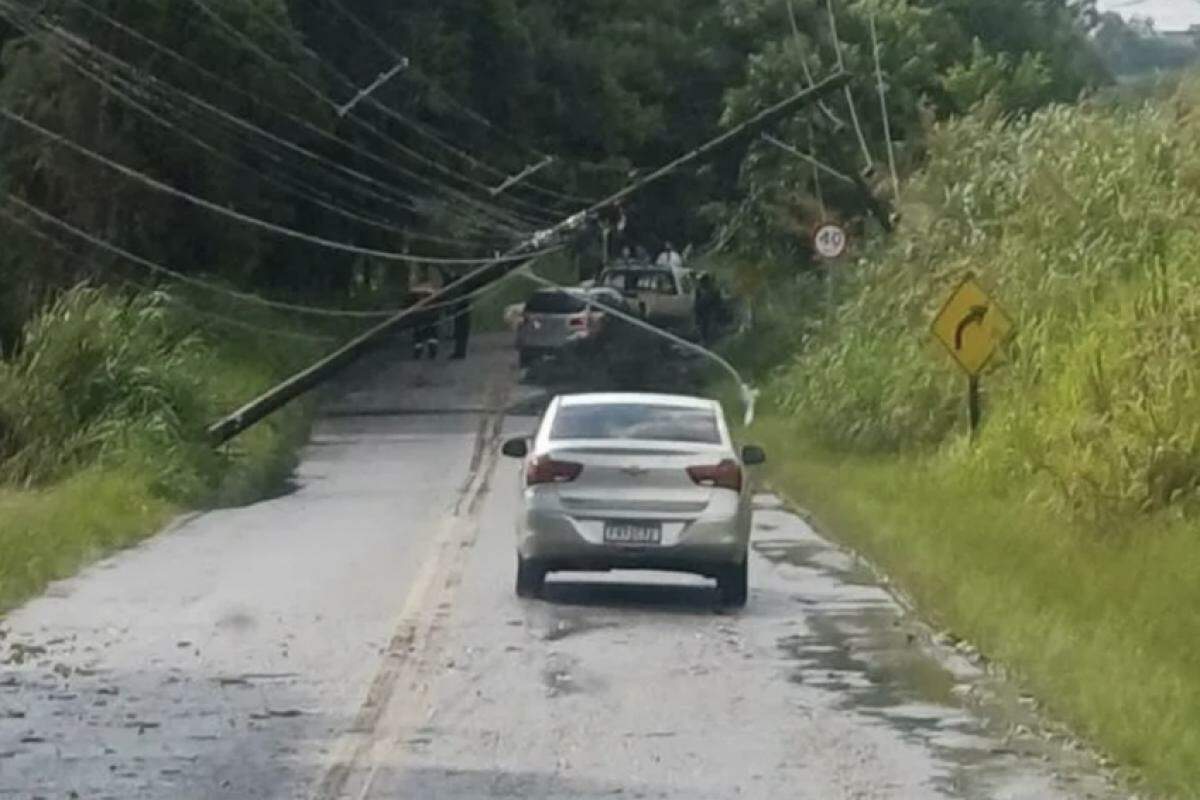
{"x":633,"y":533}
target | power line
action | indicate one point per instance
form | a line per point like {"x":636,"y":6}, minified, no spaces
{"x":249,"y":44}
{"x":837,"y":48}
{"x":424,"y":131}
{"x":57,"y":245}
{"x":247,"y":219}
{"x":394,"y":54}
{"x":808,"y":76}
{"x":393,"y":196}
{"x":495,"y":212}
{"x":487,"y":274}
{"x":485,"y":209}
{"x":231,"y":321}
{"x":154,"y":267}
{"x":302,"y":191}
{"x":815,"y":162}
{"x":887,"y":122}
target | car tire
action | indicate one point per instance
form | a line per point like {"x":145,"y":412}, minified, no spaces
{"x":734,"y":585}
{"x":531,"y":578}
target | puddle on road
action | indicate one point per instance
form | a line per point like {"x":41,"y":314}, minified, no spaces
{"x":858,"y":644}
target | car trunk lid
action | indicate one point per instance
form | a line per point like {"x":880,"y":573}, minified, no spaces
{"x":636,"y":479}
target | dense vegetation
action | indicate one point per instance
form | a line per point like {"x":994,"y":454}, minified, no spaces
{"x":1076,"y":510}
{"x":1135,"y":47}
{"x":237,"y":102}
{"x":241,"y":105}
{"x":102,"y":415}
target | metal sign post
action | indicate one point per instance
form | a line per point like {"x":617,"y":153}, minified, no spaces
{"x":830,"y":243}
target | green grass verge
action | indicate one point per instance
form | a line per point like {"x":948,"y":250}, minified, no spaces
{"x":1104,"y":631}
{"x":103,"y":412}
{"x":50,"y":533}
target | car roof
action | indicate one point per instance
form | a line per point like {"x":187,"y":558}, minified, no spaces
{"x":645,"y":398}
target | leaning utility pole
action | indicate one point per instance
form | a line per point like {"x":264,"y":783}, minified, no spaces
{"x":307,"y":379}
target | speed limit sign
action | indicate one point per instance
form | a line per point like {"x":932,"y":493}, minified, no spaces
{"x":830,"y":241}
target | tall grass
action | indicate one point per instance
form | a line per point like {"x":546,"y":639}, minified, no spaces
{"x":1083,"y":222}
{"x":1066,"y":540}
{"x":103,"y":411}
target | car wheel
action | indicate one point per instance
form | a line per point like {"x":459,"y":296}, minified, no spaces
{"x":734,"y":584}
{"x":531,"y":578}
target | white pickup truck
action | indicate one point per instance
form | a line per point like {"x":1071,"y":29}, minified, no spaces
{"x":665,"y":297}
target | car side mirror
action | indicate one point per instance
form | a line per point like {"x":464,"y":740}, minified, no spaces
{"x":515,"y":448}
{"x":752,"y":455}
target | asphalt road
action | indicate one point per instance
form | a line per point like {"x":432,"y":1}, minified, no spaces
{"x":359,"y":638}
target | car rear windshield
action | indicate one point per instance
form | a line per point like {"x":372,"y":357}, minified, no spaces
{"x":641,"y":281}
{"x":636,"y":421}
{"x":555,"y":303}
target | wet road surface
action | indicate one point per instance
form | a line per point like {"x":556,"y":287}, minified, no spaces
{"x":359,"y":638}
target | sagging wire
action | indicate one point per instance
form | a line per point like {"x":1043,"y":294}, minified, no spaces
{"x":245,"y":297}
{"x":247,"y":219}
{"x":31,"y":230}
{"x":838,"y":124}
{"x":749,"y":395}
{"x":837,"y":49}
{"x":422,"y":130}
{"x":471,"y":299}
{"x":448,"y":172}
{"x":258,"y":101}
{"x":295,"y":187}
{"x":883,"y":106}
{"x":496,"y":215}
{"x":371,"y":34}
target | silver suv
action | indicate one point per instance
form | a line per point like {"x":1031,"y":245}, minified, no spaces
{"x":557,"y":321}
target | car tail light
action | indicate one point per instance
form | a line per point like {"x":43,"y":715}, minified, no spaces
{"x":578,"y":323}
{"x":546,"y":470}
{"x":726,"y":475}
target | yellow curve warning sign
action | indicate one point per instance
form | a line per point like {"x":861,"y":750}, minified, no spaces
{"x":972,"y":326}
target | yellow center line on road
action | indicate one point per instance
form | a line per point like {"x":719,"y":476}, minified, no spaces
{"x":372,"y":740}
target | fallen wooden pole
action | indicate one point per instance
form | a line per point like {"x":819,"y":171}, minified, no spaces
{"x":307,"y":379}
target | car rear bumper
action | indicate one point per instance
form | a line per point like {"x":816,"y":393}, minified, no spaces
{"x":705,"y":546}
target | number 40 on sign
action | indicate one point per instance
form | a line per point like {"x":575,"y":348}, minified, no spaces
{"x":830,"y":241}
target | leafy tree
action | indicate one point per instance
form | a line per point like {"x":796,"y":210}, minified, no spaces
{"x":937,"y":58}
{"x":1134,"y":47}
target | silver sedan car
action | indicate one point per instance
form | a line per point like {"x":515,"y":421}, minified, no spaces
{"x":634,"y":481}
